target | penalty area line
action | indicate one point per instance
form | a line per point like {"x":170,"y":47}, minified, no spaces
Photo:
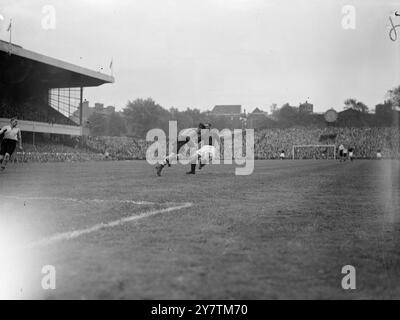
{"x":77,"y":233}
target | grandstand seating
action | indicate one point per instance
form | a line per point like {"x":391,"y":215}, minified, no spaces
{"x":365,"y":141}
{"x":33,"y":111}
{"x":268,"y":145}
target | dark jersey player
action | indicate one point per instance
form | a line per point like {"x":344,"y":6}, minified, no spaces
{"x":207,"y":151}
{"x":183,"y":139}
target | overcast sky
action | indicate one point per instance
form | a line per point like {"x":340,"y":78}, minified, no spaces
{"x":199,"y":53}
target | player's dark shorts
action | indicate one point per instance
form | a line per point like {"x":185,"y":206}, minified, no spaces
{"x":341,"y":153}
{"x":7,"y":146}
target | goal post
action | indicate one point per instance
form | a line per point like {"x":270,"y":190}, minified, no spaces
{"x":314,"y":151}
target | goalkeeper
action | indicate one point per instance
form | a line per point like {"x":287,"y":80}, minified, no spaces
{"x":203,"y":154}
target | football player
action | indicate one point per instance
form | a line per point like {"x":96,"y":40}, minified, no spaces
{"x":202,"y":155}
{"x":12,"y":135}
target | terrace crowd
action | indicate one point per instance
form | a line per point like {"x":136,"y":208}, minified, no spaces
{"x":37,"y":111}
{"x":268,"y":144}
{"x":365,"y":141}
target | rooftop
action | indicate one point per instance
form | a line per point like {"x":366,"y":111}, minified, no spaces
{"x":21,"y":66}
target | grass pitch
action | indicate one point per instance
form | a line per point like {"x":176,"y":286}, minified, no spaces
{"x":114,"y":230}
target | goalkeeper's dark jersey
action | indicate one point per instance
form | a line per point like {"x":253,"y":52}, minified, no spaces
{"x":207,"y":136}
{"x":180,"y":144}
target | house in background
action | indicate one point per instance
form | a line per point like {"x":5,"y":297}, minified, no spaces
{"x":227,"y":110}
{"x":306,"y":107}
{"x":88,"y":111}
{"x":257,"y":119}
{"x":227,"y":116}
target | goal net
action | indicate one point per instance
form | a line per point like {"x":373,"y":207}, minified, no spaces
{"x":314,"y":151}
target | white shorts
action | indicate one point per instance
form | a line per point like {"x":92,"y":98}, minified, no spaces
{"x":206,"y":152}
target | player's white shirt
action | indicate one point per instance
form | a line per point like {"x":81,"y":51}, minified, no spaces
{"x":341,"y":147}
{"x":207,"y":151}
{"x":379,"y":155}
{"x":282,"y":155}
{"x":351,"y":153}
{"x":11,"y":133}
{"x":344,"y":150}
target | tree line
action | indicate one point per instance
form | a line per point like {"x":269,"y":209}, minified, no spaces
{"x":141,"y":115}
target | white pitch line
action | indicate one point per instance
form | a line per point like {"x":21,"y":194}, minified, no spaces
{"x":74,"y":199}
{"x":77,"y":233}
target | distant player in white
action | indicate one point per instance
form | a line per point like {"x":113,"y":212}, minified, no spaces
{"x":12,"y":135}
{"x":282,"y":155}
{"x":341,"y":148}
{"x":379,"y":154}
{"x":351,"y":154}
{"x":345,"y":152}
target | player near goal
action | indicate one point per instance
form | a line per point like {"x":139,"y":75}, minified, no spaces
{"x":12,"y":135}
{"x":345,"y":154}
{"x":341,"y":152}
{"x":351,"y":154}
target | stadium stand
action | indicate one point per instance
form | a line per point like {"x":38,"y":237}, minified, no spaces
{"x":119,"y":148}
{"x":268,"y":144}
{"x":365,"y":141}
{"x":33,"y":111}
{"x":42,"y":91}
